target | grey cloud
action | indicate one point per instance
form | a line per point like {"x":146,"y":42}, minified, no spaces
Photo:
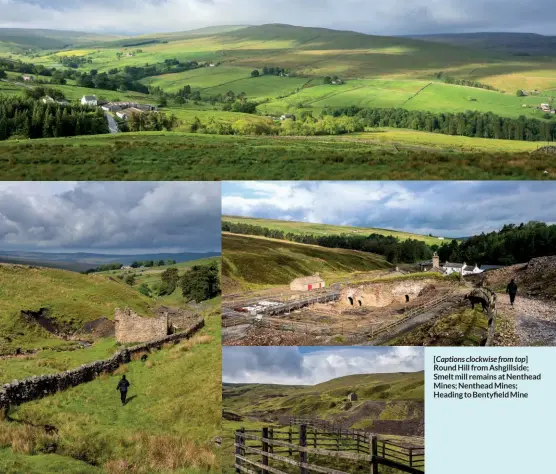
{"x":393,"y":17}
{"x":308,"y":366}
{"x":445,"y":208}
{"x":113,"y":216}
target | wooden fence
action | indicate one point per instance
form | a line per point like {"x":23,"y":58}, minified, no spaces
{"x":306,"y":448}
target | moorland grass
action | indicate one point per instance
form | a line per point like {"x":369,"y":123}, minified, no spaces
{"x":168,"y":425}
{"x":257,"y":262}
{"x":183,"y":156}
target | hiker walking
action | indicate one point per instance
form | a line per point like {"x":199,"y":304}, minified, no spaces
{"x":511,"y":289}
{"x":123,"y":385}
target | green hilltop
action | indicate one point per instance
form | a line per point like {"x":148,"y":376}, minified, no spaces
{"x":300,"y":228}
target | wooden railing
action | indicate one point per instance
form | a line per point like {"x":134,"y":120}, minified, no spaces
{"x":306,"y":448}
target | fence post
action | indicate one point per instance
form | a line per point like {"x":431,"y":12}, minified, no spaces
{"x":303,"y":444}
{"x":290,"y":441}
{"x":315,"y":439}
{"x":410,"y":457}
{"x":265,"y":448}
{"x":271,"y":437}
{"x":373,"y":450}
{"x":239,"y":442}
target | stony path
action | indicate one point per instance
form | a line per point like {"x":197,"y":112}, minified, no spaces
{"x":535,"y":320}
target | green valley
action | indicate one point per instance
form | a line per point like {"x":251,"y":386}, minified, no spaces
{"x":442,"y":102}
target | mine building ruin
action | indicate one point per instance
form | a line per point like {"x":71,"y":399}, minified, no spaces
{"x":309,"y":283}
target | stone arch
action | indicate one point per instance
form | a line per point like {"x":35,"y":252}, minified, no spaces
{"x":350,"y":299}
{"x":407,"y":298}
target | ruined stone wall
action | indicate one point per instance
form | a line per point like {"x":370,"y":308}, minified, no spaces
{"x":130,"y":327}
{"x":32,"y":388}
{"x":383,"y":294}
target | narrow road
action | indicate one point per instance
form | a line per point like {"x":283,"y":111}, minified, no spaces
{"x":112,"y":125}
{"x":535,"y":320}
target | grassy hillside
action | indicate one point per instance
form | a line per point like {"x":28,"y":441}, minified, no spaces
{"x":513,"y":43}
{"x":385,"y":400}
{"x":151,"y":278}
{"x":324,"y":400}
{"x":177,"y":156}
{"x":256,"y":262}
{"x":71,"y":299}
{"x":37,"y":39}
{"x":328,"y":229}
{"x":168,"y":425}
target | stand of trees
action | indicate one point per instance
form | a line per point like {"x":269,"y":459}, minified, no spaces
{"x":103,"y":268}
{"x":151,"y":122}
{"x":274,"y":71}
{"x":463,"y":82}
{"x":512,"y":244}
{"x":30,"y":118}
{"x":201,"y":283}
{"x":395,"y":251}
{"x":469,"y":124}
{"x":151,"y":263}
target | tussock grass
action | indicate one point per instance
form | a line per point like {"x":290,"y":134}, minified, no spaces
{"x":168,"y":425}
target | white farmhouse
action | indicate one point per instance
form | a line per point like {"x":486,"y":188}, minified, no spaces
{"x":90,"y":100}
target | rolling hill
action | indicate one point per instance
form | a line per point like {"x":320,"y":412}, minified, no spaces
{"x":520,"y":44}
{"x":255,"y":262}
{"x":375,"y":72}
{"x":324,"y":400}
{"x":64,"y":300}
{"x":41,"y":39}
{"x":80,"y":261}
{"x":301,"y":228}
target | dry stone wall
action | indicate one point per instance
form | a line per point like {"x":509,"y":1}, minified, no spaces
{"x":33,"y":388}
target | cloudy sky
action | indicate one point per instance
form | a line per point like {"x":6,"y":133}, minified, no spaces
{"x":392,"y":17}
{"x":441,"y":208}
{"x":312,"y":365}
{"x":110,"y":217}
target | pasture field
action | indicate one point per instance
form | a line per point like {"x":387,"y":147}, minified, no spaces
{"x":179,"y":156}
{"x":301,"y":228}
{"x":169,"y":424}
{"x":254,"y":262}
{"x":438,"y":140}
{"x":378,"y":72}
{"x":71,"y":299}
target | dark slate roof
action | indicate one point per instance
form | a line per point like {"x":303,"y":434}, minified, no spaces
{"x":490,"y":267}
{"x":453,"y":265}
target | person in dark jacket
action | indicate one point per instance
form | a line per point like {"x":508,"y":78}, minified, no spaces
{"x":511,"y":289}
{"x":123,"y":385}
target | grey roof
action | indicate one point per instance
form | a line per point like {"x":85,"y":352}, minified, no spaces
{"x":90,"y":97}
{"x":453,"y":265}
{"x":469,"y":268}
{"x":490,"y":267}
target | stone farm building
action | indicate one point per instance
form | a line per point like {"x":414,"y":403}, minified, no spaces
{"x":307,"y":283}
{"x":352,"y":397}
{"x":130,"y":327}
{"x":90,"y":100}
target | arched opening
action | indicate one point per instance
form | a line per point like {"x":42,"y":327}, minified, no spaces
{"x":350,"y":300}
{"x":360,"y":302}
{"x":407,"y":298}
